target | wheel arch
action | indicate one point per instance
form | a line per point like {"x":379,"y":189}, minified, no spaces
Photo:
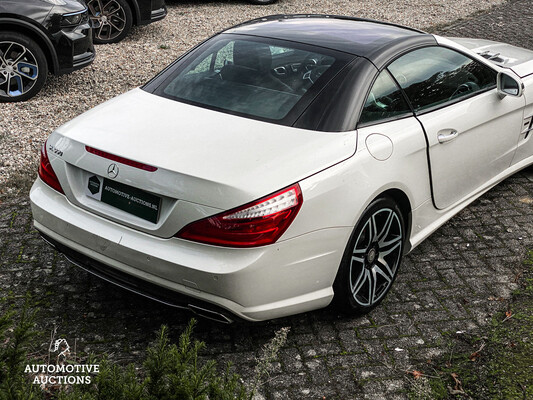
{"x":135,"y":11}
{"x":342,"y":298}
{"x":404,"y":204}
{"x":28,"y":29}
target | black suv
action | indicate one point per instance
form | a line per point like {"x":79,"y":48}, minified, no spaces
{"x":37,"y":37}
{"x":112,"y":19}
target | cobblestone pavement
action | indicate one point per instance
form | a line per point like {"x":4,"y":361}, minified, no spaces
{"x":510,"y":23}
{"x":454,"y":281}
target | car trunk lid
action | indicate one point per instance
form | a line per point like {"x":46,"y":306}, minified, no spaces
{"x":202,"y":156}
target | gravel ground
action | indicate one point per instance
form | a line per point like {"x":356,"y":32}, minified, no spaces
{"x":121,"y":67}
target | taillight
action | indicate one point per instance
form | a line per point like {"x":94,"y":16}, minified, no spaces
{"x":258,"y":223}
{"x":46,"y":172}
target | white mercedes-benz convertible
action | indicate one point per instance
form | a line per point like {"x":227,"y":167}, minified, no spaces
{"x":285,"y":163}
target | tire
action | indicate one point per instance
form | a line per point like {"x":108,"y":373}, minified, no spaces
{"x":112,"y":20}
{"x":262,"y":2}
{"x":372,"y":258}
{"x":23,"y":67}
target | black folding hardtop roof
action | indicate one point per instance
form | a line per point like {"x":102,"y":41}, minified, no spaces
{"x":371,"y":39}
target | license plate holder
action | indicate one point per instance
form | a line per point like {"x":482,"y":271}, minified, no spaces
{"x":124,"y":197}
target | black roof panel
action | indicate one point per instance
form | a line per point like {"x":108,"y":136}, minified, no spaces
{"x":360,"y":37}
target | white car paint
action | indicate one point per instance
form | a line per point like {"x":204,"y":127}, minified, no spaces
{"x":518,"y":59}
{"x":480,"y":150}
{"x":339,"y":175}
{"x":200,"y":141}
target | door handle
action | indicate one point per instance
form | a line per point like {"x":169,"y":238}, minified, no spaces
{"x":446,"y":137}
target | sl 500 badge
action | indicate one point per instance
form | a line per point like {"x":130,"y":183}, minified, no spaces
{"x":54,"y":150}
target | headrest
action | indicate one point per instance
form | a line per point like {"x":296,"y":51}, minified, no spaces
{"x":252,"y":55}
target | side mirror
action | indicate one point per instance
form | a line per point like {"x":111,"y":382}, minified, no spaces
{"x":508,"y":85}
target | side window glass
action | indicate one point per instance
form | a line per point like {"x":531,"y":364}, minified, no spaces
{"x":385,"y":101}
{"x":204,"y":66}
{"x":224,"y":56}
{"x":275,"y":50}
{"x":436,"y":75}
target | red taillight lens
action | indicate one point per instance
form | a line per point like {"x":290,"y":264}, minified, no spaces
{"x":46,"y":172}
{"x":258,"y":223}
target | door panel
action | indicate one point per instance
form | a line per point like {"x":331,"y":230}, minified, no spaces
{"x":471,"y":142}
{"x":525,"y":141}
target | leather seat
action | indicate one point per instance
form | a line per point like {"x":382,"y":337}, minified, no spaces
{"x":252,"y":62}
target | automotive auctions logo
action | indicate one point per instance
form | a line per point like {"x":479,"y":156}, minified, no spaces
{"x":63,"y":371}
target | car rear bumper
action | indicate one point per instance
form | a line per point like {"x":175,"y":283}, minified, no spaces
{"x":139,"y":286}
{"x":289,"y":277}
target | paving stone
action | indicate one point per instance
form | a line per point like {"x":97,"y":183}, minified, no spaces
{"x":454,"y":281}
{"x":347,"y":361}
{"x":321,"y":350}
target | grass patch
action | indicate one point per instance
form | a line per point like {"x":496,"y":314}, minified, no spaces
{"x":497,"y":364}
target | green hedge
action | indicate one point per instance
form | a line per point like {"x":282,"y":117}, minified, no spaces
{"x":169,"y":371}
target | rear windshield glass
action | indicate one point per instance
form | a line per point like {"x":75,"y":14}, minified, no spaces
{"x":248,"y":76}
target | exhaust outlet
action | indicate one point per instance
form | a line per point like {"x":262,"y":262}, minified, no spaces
{"x":209,"y":314}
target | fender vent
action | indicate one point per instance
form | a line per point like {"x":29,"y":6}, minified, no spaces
{"x":496,"y":58}
{"x":527,"y":127}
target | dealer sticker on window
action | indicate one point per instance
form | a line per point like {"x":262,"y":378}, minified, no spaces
{"x":124,"y":197}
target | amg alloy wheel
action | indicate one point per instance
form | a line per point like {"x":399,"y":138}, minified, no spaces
{"x":112,"y":20}
{"x":371,"y":261}
{"x":23,"y":67}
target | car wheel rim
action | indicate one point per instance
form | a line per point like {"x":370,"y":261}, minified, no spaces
{"x":375,"y":257}
{"x":109,"y":18}
{"x":18,"y":69}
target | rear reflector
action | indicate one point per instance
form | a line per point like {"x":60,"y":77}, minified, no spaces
{"x":121,"y":160}
{"x":259,"y":223}
{"x":46,"y":172}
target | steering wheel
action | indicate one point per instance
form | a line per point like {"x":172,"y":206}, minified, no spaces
{"x":309,"y":63}
{"x":382,"y":103}
{"x":464,"y":88}
{"x":312,"y":68}
{"x":315,"y":73}
{"x":401,"y":78}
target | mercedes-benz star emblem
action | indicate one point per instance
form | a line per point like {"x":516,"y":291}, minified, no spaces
{"x":112,"y":171}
